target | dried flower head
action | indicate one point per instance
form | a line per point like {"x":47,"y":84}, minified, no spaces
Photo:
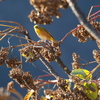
{"x":75,"y":64}
{"x":24,"y":79}
{"x":2,"y":61}
{"x":82,"y":34}
{"x":13,"y":62}
{"x":49,"y":55}
{"x":96,"y":55}
{"x":45,"y":10}
{"x":98,"y":44}
{"x":3,"y":55}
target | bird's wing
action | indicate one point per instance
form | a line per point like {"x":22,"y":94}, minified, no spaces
{"x":48,"y":32}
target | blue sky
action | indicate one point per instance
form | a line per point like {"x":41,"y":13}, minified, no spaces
{"x":18,"y":11}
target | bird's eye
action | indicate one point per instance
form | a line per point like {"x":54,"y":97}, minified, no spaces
{"x":37,"y":27}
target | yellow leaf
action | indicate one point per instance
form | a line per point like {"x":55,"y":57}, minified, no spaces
{"x":82,"y":74}
{"x":91,"y":90}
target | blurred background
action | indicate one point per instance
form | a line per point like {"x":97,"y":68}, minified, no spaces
{"x":18,"y":11}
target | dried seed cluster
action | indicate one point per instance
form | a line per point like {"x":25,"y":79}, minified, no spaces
{"x":96,"y":55}
{"x":75,"y":64}
{"x":3,"y":55}
{"x":49,"y":55}
{"x":13,"y":62}
{"x":61,"y":95}
{"x":45,"y":10}
{"x":82,"y":34}
{"x":98,"y":44}
{"x":24,"y":79}
{"x":64,"y":85}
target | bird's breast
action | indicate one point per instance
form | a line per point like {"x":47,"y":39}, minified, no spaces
{"x":43,"y":35}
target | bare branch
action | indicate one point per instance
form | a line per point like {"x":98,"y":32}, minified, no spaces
{"x":49,"y":67}
{"x":82,"y":19}
{"x":60,"y":62}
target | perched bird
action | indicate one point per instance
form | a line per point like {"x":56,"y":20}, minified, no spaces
{"x":28,"y":55}
{"x":43,"y":33}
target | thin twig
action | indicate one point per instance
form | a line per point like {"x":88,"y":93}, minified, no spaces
{"x":49,"y":67}
{"x":6,"y":30}
{"x":89,"y":63}
{"x":9,"y":26}
{"x":96,"y":75}
{"x":20,"y":37}
{"x":19,"y":95}
{"x":21,"y":27}
{"x":23,"y":30}
{"x":20,"y":45}
{"x":5,"y":34}
{"x":82,"y":19}
{"x":95,"y":17}
{"x":89,"y":13}
{"x":40,"y":68}
{"x":95,"y":68}
{"x":69,"y":33}
{"x":21,"y":59}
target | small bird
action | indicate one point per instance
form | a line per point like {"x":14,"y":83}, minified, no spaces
{"x":28,"y":55}
{"x":43,"y":33}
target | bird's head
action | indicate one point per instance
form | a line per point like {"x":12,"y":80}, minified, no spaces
{"x":36,"y":27}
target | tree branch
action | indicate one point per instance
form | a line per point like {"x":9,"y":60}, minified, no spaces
{"x":49,"y":67}
{"x":82,"y":19}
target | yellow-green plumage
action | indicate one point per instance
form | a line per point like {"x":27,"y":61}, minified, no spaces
{"x":43,"y":33}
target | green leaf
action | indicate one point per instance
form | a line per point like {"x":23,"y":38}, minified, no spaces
{"x":82,"y":74}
